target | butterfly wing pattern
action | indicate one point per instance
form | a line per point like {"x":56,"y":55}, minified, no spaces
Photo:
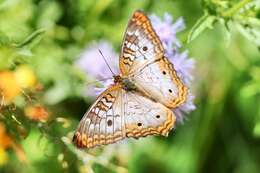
{"x":103,"y":123}
{"x":160,"y":81}
{"x":144,"y":117}
{"x":119,"y":113}
{"x":142,"y":60}
{"x":140,"y":45}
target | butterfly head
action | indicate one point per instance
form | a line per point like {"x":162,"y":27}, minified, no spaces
{"x":127,"y":84}
{"x":117,"y":79}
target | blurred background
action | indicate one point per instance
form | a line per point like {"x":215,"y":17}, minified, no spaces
{"x":43,"y":91}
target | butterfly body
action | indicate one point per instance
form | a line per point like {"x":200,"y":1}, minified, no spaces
{"x":139,"y":102}
{"x":125,"y":82}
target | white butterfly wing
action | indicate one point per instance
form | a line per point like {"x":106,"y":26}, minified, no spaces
{"x":117,"y":114}
{"x":144,"y":116}
{"x":140,"y":46}
{"x":160,"y":81}
{"x":103,"y":123}
{"x":142,"y":60}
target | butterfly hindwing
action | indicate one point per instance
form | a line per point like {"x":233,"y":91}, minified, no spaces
{"x":145,"y":117}
{"x":103,"y":123}
{"x":118,"y":114}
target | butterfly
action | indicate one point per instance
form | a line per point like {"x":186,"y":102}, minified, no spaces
{"x":140,"y":101}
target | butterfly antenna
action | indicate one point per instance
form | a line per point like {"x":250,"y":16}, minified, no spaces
{"x":101,"y":80}
{"x":106,"y":62}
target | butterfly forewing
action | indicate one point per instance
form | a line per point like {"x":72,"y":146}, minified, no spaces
{"x":142,"y":60}
{"x":140,"y":44}
{"x":160,"y":81}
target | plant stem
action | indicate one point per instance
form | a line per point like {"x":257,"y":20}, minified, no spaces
{"x":235,"y":8}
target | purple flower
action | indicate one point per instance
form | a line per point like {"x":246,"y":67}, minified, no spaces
{"x":92,"y":63}
{"x":167,"y":30}
{"x":185,"y":108}
{"x":183,"y":65}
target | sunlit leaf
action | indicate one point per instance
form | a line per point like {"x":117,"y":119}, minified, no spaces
{"x":4,"y":40}
{"x":203,"y":23}
{"x":32,"y":37}
{"x":256,"y":131}
{"x":250,"y":28}
{"x":250,"y":89}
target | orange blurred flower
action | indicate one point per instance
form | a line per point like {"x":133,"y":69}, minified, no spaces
{"x":5,"y":140}
{"x":38,"y":113}
{"x":12,"y":83}
{"x":5,"y":143}
{"x":9,"y":87}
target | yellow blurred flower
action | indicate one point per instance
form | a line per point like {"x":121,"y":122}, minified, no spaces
{"x":25,"y":77}
{"x":9,"y":87}
{"x":38,"y":113}
{"x":3,"y":156}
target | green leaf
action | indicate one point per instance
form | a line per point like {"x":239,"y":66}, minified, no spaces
{"x":4,"y":40}
{"x":251,"y":89}
{"x":30,"y":39}
{"x":206,"y":21}
{"x":250,"y":28}
{"x":256,"y":130}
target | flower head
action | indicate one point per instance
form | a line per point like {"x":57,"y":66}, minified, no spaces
{"x":9,"y":87}
{"x":187,"y":107}
{"x":12,"y":83}
{"x":91,"y":62}
{"x":5,"y":143}
{"x":3,"y":156}
{"x":6,"y":140}
{"x":37,"y":113}
{"x":167,"y":30}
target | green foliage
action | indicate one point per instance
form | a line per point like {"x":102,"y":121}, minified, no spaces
{"x":204,"y":22}
{"x":244,"y":15}
{"x":221,"y":135}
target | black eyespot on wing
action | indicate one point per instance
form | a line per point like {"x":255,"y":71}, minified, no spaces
{"x":145,"y":48}
{"x":139,"y":124}
{"x":109,"y":122}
